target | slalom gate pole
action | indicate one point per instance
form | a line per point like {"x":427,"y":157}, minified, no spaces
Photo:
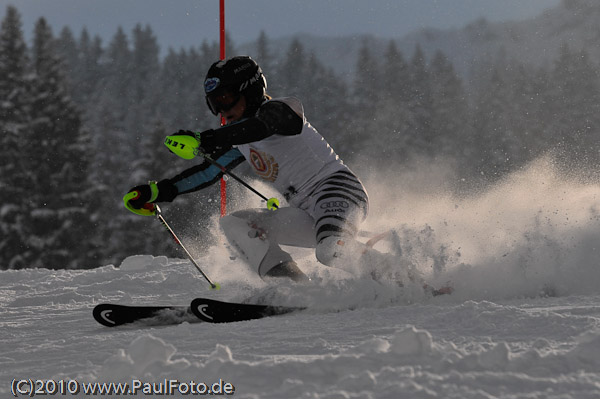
{"x":271,"y":202}
{"x":222,"y":57}
{"x":222,"y":28}
{"x":214,"y":286}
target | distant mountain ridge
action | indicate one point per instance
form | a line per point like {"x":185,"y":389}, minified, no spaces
{"x":534,"y":41}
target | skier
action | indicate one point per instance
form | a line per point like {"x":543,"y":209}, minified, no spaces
{"x":327,"y":202}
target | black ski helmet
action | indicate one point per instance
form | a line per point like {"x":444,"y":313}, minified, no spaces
{"x":240,"y":75}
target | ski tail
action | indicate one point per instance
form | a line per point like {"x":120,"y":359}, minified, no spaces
{"x":112,"y":315}
{"x":213,"y":311}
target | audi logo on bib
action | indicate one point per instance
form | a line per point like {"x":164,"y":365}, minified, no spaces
{"x":334,"y":206}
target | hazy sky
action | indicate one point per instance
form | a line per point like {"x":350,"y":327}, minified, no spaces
{"x":187,"y":23}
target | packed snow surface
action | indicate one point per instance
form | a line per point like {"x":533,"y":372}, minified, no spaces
{"x":523,"y":322}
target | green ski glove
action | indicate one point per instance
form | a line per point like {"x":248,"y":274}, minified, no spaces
{"x":184,"y":143}
{"x":139,"y":199}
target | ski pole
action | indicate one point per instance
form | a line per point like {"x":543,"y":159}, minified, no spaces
{"x":272,"y":203}
{"x":214,"y":286}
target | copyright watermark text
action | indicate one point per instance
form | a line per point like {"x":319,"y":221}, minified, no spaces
{"x":169,"y":387}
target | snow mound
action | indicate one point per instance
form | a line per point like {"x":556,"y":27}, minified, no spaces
{"x":143,"y":262}
{"x":410,"y":361}
{"x":146,"y":356}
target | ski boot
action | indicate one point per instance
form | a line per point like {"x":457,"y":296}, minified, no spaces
{"x":288,"y":269}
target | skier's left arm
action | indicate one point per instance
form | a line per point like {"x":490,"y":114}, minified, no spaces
{"x":281,"y":117}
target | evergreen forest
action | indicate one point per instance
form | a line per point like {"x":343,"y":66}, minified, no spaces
{"x":82,"y":121}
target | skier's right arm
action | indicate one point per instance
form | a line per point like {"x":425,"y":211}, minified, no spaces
{"x":190,"y":180}
{"x":206,"y":174}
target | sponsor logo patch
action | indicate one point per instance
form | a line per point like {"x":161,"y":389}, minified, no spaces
{"x":337,"y":207}
{"x":210,"y":84}
{"x":264,"y":165}
{"x":334,"y":204}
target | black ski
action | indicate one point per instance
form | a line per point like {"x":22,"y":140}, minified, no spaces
{"x":213,"y":311}
{"x":111,"y":315}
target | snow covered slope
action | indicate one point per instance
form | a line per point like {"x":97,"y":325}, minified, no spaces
{"x":524,"y":321}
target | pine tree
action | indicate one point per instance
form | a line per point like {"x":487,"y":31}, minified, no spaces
{"x":420,"y":104}
{"x":291,"y":68}
{"x":60,"y":228}
{"x":88,"y":70}
{"x":318,"y":86}
{"x":106,"y":120}
{"x":389,"y":132}
{"x":574,"y":105}
{"x":14,"y":108}
{"x":13,"y":68}
{"x":396,"y":75}
{"x":367,"y":80}
{"x":263,"y":53}
{"x":145,"y":68}
{"x":450,"y":121}
{"x":173,"y":101}
{"x":107,"y":113}
{"x":145,"y":61}
{"x":181,"y":88}
{"x":365,"y":101}
{"x":493,"y":130}
{"x":66,"y":48}
{"x":526,"y":119}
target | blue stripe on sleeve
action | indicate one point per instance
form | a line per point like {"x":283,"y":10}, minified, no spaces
{"x":206,"y":176}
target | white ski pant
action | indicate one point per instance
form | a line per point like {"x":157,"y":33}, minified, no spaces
{"x":328,"y":216}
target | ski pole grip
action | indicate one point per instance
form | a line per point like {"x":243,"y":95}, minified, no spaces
{"x":146,"y":210}
{"x":272,"y":204}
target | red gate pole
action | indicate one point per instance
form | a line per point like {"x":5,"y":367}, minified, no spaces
{"x":222,"y":27}
{"x":222,"y":57}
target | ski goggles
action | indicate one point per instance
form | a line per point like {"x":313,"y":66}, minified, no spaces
{"x":221,"y":101}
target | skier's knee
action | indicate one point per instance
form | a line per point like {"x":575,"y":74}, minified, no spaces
{"x":227,"y":220}
{"x":233,"y":224}
{"x":331,"y":250}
